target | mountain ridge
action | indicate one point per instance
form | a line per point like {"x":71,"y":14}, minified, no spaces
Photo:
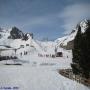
{"x":66,"y":42}
{"x":15,"y":37}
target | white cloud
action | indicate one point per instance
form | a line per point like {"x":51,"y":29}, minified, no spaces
{"x":73,"y":14}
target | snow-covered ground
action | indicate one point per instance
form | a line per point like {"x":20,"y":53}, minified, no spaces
{"x":38,"y":73}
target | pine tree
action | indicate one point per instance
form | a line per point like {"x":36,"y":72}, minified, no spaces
{"x":85,"y":55}
{"x":81,"y":52}
{"x":77,"y":52}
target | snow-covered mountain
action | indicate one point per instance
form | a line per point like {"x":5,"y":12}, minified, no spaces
{"x":16,"y":39}
{"x":67,"y":41}
{"x":12,"y":36}
{"x":63,"y":41}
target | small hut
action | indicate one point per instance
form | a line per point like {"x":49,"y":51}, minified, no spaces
{"x":59,"y":52}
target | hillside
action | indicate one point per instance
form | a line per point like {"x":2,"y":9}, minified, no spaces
{"x":16,"y":39}
{"x":67,"y":41}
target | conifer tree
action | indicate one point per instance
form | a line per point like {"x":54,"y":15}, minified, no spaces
{"x":81,"y":52}
{"x":85,"y":55}
{"x":77,"y":52}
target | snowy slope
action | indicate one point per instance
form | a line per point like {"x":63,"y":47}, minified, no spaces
{"x":4,"y":35}
{"x":47,"y":46}
{"x":21,"y":45}
{"x":38,"y":74}
{"x":64,"y":40}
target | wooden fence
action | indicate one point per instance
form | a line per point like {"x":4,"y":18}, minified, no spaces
{"x":69,"y":74}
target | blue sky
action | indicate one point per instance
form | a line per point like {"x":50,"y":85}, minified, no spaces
{"x":44,"y":18}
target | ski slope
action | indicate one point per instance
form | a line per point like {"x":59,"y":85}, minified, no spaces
{"x":39,"y":73}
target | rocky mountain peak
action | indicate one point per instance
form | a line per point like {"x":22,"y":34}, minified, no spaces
{"x":15,"y":33}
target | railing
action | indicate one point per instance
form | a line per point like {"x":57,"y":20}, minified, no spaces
{"x":69,"y":74}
